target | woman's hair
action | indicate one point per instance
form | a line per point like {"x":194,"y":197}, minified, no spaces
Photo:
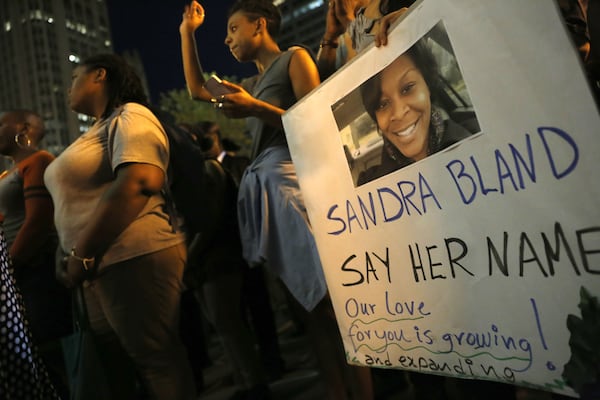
{"x":425,"y":62}
{"x":122,"y":82}
{"x":255,"y":9}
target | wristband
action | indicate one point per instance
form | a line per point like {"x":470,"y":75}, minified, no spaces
{"x":86,"y":262}
{"x":329,"y":43}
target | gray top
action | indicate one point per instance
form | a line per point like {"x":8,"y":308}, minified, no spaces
{"x":360,"y":31}
{"x":273,"y":86}
{"x":80,"y":176}
{"x":274,"y":225}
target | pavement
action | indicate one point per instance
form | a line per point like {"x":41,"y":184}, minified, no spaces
{"x":301,"y":380}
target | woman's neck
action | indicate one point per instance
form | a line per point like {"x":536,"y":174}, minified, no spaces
{"x":266,"y":56}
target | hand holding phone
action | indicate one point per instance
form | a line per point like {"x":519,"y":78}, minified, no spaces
{"x":214,"y":85}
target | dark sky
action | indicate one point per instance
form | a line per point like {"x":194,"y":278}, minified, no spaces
{"x":152,"y":27}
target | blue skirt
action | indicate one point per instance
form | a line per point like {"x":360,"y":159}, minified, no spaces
{"x":274,"y":226}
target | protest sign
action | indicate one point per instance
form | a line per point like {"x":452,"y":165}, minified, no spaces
{"x":471,"y":261}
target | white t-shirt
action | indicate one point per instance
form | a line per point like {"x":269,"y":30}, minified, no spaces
{"x":78,"y":178}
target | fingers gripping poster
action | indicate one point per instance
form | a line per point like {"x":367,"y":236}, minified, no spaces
{"x":451,"y":182}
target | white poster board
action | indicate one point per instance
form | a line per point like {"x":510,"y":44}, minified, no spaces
{"x":468,"y":262}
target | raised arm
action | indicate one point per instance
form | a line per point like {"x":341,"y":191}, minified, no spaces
{"x":193,"y":17}
{"x":327,"y":55}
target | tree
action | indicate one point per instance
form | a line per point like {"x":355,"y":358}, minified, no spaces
{"x":186,"y":110}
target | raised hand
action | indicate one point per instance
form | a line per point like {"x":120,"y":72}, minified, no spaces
{"x":193,"y":17}
{"x":333,"y":26}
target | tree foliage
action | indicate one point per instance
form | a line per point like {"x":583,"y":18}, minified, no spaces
{"x":582,"y":372}
{"x":186,"y":110}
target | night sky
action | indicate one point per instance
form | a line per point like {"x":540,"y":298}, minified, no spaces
{"x":152,"y":27}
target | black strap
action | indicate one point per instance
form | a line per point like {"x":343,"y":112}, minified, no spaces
{"x":81,"y":320}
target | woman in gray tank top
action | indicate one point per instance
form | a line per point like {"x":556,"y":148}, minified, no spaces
{"x":274,"y":226}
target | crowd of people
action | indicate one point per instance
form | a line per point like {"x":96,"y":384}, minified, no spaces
{"x":102,"y":204}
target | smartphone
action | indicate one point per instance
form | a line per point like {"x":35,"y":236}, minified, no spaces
{"x":215,"y":87}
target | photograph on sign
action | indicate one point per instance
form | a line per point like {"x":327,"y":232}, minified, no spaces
{"x":414,"y":107}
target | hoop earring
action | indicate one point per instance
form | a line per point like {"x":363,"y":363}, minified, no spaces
{"x":18,"y":141}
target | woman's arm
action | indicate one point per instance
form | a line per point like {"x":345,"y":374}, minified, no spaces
{"x":39,"y":211}
{"x":327,"y":55}
{"x":193,"y":17}
{"x":122,"y":202}
{"x":241,"y":104}
{"x":304,"y":76}
{"x":381,"y":38}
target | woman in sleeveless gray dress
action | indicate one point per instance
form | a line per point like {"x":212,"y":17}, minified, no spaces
{"x":273,"y":222}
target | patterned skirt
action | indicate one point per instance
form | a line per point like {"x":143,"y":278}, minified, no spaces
{"x":22,"y":373}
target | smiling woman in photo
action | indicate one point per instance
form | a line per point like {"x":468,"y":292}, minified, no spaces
{"x":402,"y":100}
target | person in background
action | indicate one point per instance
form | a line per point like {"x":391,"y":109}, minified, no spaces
{"x":28,"y":223}
{"x":230,"y":146}
{"x":255,"y":294}
{"x":274,"y":226}
{"x":192,"y":324}
{"x":232,"y":162}
{"x":574,"y":13}
{"x":23,"y":373}
{"x":216,"y":271}
{"x":119,"y":241}
{"x":580,"y":18}
{"x":351,"y":25}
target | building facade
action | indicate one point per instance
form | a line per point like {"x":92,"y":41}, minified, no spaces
{"x":41,"y":42}
{"x":303,"y":22}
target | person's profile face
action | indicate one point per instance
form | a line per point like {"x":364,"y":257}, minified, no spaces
{"x":82,"y":90}
{"x":404,"y":109}
{"x":240,"y":34}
